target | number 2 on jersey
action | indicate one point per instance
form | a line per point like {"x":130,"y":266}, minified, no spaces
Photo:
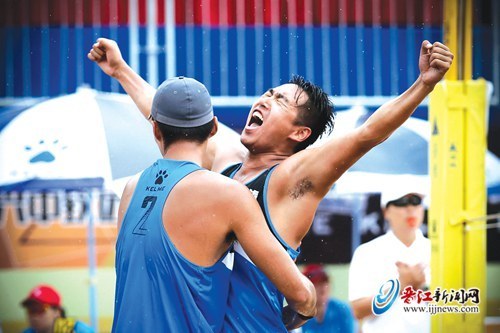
{"x":140,"y":228}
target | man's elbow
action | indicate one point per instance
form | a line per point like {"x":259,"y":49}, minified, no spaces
{"x":369,"y":136}
{"x":304,"y":299}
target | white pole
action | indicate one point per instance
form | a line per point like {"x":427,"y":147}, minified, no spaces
{"x":151,"y":43}
{"x":134,"y":35}
{"x":92,"y":263}
{"x":171,"y":56}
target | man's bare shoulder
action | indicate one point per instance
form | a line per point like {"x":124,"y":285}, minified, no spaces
{"x":131,"y":185}
{"x":216,"y":187}
{"x":226,"y":148}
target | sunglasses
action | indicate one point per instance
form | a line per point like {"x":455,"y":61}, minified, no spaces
{"x":413,"y":200}
{"x":37,"y":309}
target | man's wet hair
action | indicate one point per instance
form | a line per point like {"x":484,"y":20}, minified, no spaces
{"x":317,"y":112}
{"x":173,"y":134}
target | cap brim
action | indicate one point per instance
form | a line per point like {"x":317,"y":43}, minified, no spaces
{"x":29,"y":301}
{"x":386,"y":199}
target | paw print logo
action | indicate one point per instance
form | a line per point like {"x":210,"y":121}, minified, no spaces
{"x":44,"y":151}
{"x":162,"y":174}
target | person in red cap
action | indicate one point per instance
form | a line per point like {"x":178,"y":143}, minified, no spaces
{"x":332,"y":315}
{"x":46,"y":314}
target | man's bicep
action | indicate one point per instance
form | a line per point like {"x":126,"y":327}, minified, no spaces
{"x":252,"y":231}
{"x":272,"y":259}
{"x":141,"y":92}
{"x":145,"y":103}
{"x":324,"y":164}
{"x":264,"y":249}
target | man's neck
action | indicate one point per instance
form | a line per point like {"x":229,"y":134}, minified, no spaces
{"x":186,"y":151}
{"x":255,"y":163}
{"x":407,"y":238}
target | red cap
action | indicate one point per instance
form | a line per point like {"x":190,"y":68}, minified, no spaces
{"x":43,"y":294}
{"x":316,"y":273}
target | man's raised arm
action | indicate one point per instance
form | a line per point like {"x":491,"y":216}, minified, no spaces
{"x":325,"y":164}
{"x":223,"y":149}
{"x":106,"y":53}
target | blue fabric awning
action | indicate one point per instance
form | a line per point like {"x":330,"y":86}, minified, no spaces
{"x":37,"y":184}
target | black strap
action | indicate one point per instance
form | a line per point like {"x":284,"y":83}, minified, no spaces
{"x":301,"y":316}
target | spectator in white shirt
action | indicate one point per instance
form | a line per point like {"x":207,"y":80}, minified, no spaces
{"x":403,"y":253}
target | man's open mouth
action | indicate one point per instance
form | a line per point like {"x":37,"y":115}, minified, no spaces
{"x":256,"y":120}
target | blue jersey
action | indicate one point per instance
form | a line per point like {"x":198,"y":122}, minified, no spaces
{"x":254,"y":303}
{"x":157,"y":289}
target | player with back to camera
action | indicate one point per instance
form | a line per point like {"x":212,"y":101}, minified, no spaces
{"x":177,"y":223}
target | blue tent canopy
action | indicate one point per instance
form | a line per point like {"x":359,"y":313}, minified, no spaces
{"x":37,"y":184}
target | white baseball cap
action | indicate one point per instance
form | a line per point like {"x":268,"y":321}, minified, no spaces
{"x":397,"y":191}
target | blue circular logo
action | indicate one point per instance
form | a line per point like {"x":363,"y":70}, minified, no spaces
{"x":386,"y":296}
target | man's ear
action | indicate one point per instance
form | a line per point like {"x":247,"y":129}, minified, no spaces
{"x":156,"y":132}
{"x":158,"y":137}
{"x":300,"y":134}
{"x":215,"y":128}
